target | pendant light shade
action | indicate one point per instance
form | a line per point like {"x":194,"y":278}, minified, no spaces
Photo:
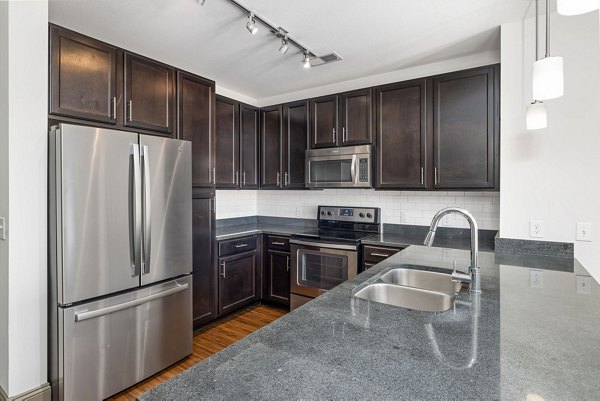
{"x":548,"y":78}
{"x":536,"y":116}
{"x":576,"y":7}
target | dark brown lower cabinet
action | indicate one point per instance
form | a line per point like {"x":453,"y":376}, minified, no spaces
{"x":204,"y":273}
{"x":277,"y":270}
{"x":238,"y":281}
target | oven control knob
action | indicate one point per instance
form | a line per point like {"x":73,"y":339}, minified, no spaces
{"x":361,"y":215}
{"x":322,"y":212}
{"x":369,"y":215}
{"x":329,"y":213}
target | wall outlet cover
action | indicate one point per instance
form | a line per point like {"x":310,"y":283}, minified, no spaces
{"x":584,"y":232}
{"x":584,"y":284}
{"x":536,"y":279}
{"x":536,"y":228}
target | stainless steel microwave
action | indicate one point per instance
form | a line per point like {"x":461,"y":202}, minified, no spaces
{"x":343,"y":167}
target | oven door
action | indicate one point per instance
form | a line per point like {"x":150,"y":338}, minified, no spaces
{"x":318,"y":267}
{"x":337,"y":171}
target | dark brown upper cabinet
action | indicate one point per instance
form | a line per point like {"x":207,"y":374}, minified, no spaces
{"x":466,"y":129}
{"x":227,"y":143}
{"x":196,"y":123}
{"x":295,"y":143}
{"x":270,"y":139}
{"x":401,"y":126}
{"x":249,"y":149}
{"x":149,"y":94}
{"x":83,"y":77}
{"x":324,"y":122}
{"x":356,"y":120}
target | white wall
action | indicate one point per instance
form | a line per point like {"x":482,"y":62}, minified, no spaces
{"x":552,"y":174}
{"x":23,"y":166}
{"x":397,"y":207}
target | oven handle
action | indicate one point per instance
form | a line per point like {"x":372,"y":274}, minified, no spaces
{"x":324,"y":245}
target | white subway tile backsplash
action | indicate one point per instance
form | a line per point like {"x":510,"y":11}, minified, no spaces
{"x":398,"y":207}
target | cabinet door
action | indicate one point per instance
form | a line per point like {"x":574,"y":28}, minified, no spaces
{"x":295,"y":140}
{"x":248,"y":147}
{"x":401,"y":135}
{"x":149,"y":94}
{"x":279,"y":277}
{"x":466,"y":125}
{"x":270,"y":139}
{"x":237,"y":281}
{"x":205,"y":275}
{"x":226,"y":143}
{"x":357,"y":118}
{"x":324,"y":122}
{"x":83,"y":77}
{"x":196,"y":108}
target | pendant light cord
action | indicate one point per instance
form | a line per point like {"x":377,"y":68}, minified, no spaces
{"x":547,"y":28}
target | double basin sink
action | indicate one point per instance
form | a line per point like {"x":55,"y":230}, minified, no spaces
{"x":408,"y":287}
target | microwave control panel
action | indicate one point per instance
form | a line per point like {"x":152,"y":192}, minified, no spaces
{"x":363,"y":170}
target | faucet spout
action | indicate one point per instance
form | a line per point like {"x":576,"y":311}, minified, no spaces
{"x":474,"y":273}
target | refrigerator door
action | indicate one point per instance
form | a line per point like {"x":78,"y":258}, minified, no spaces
{"x":109,"y":345}
{"x":98,"y":223}
{"x":167,"y":208}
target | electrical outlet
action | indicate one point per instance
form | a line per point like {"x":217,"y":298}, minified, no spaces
{"x":584,"y":284}
{"x":536,"y":228}
{"x":536,"y":279}
{"x":584,"y":232}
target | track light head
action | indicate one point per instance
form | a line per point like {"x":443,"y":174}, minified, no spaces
{"x":284,"y":46}
{"x":306,"y":60}
{"x":251,"y":24}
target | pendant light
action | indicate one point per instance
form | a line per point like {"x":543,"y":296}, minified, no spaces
{"x":536,"y":112}
{"x":576,"y":7}
{"x":548,"y":72}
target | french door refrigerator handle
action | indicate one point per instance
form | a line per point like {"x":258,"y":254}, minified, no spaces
{"x":129,"y":304}
{"x":135,"y":209}
{"x":147,"y":210}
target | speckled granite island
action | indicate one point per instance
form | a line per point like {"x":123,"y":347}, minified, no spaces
{"x":514,"y":341}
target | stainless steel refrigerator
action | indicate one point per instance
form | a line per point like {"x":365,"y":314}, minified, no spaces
{"x":120,"y":210}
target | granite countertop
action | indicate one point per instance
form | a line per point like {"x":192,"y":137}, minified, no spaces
{"x":402,"y":240}
{"x":513,"y":341}
{"x":257,"y":228}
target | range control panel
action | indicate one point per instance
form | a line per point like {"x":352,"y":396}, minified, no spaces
{"x":351,"y":214}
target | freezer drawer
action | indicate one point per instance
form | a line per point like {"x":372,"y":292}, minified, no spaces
{"x":109,"y":345}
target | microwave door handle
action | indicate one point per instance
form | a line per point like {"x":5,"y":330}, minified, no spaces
{"x":353,"y":170}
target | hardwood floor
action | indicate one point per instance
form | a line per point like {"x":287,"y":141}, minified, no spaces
{"x":207,"y":341}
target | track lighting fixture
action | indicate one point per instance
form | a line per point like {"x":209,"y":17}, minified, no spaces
{"x":251,"y":24}
{"x":548,"y":72}
{"x":306,"y":60}
{"x":284,"y":45}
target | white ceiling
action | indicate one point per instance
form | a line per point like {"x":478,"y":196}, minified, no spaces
{"x":373,"y":36}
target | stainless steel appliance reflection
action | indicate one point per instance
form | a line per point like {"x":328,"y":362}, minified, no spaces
{"x":342,"y":167}
{"x":120,"y":210}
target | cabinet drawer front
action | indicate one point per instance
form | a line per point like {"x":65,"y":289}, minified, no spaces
{"x":376,"y":254}
{"x":280,"y":243}
{"x":238,"y":245}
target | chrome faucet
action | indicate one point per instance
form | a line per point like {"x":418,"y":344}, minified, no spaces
{"x":473,"y":278}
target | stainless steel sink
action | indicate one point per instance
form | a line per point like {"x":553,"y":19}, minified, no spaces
{"x":427,"y":280}
{"x":407,"y":297}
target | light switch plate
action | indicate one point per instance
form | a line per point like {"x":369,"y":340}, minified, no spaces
{"x":584,"y":232}
{"x":584,"y":285}
{"x":536,"y":279}
{"x":536,"y":228}
{"x":2,"y":229}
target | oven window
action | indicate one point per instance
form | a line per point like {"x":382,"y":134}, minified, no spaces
{"x":321,"y":270}
{"x":331,"y":171}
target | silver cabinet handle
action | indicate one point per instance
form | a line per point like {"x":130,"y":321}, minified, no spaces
{"x":147,"y":209}
{"x":236,"y":177}
{"x":212,"y":205}
{"x":422,"y":176}
{"x":278,"y":178}
{"x":286,"y":179}
{"x":334,"y":141}
{"x":241,"y":245}
{"x":278,"y":243}
{"x":344,"y":134}
{"x":382,"y":255}
{"x":214,"y":175}
{"x":435,"y":175}
{"x":114,"y":107}
{"x":129,"y":304}
{"x":223,"y":269}
{"x":130,"y":117}
{"x":135,"y":209}
{"x":288,"y":263}
{"x":244,"y":179}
